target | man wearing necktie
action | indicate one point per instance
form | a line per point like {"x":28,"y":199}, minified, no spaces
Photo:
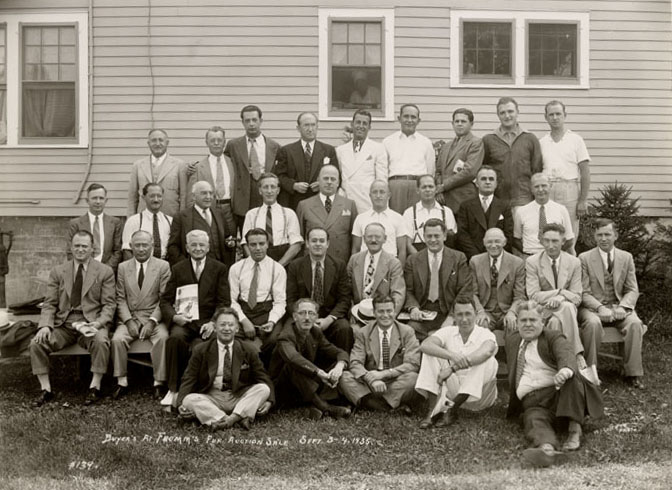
{"x":152,"y":220}
{"x":610,"y":295}
{"x":225,"y":383}
{"x":78,"y":308}
{"x":546,"y":387}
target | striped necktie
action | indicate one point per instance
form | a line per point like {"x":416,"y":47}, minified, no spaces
{"x":386,"y":351}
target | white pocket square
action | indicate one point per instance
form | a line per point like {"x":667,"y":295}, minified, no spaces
{"x":346,"y":212}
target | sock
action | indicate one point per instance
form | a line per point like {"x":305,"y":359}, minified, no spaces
{"x":122,"y":381}
{"x":45,"y":384}
{"x":158,"y":383}
{"x":459,"y":400}
{"x":95,"y":380}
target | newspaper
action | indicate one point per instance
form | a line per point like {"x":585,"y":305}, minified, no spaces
{"x":427,"y":316}
{"x":186,"y":301}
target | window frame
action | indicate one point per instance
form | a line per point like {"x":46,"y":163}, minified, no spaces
{"x":520,"y":21}
{"x":386,"y":18}
{"x":15,"y":22}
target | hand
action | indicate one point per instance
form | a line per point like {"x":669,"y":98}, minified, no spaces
{"x":88,"y":330}
{"x":460,"y":362}
{"x":620,"y":313}
{"x":133,"y":327}
{"x":146,"y":330}
{"x":605,"y":314}
{"x":315,"y":186}
{"x":300,"y":187}
{"x":43,"y":335}
{"x":191,"y":168}
{"x":483,"y":320}
{"x":248,"y":329}
{"x":439,"y":196}
{"x":510,"y":322}
{"x":335,"y":374}
{"x":95,"y":325}
{"x":444,"y":374}
{"x":581,"y":209}
{"x":324,"y":323}
{"x":323,"y":375}
{"x":181,"y":320}
{"x":206,"y":330}
{"x":264,"y":408}
{"x":416,"y":314}
{"x":267,"y":327}
{"x":563,"y":375}
{"x":378,"y":386}
{"x":554,"y":302}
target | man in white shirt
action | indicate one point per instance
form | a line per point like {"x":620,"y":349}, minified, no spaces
{"x":281,"y":223}
{"x":395,"y":227}
{"x":410,"y":155}
{"x":152,"y":220}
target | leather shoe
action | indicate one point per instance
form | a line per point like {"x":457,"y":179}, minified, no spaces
{"x":159,"y":392}
{"x":540,"y":458}
{"x":94,"y":396}
{"x":245,"y":423}
{"x":425,"y":424}
{"x":635,"y":382}
{"x":119,"y":392}
{"x":447,"y":419}
{"x":573,"y":441}
{"x":339,"y":412}
{"x":45,"y":397}
{"x":314,"y":413}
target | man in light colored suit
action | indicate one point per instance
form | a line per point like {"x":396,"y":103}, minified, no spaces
{"x":362,"y":161}
{"x":330,"y":211}
{"x":105,"y":229}
{"x":384,"y":362}
{"x":610,"y":294}
{"x":458,"y":162}
{"x":373,"y":272}
{"x":140,"y":283}
{"x":500,"y":283}
{"x":163,"y":169}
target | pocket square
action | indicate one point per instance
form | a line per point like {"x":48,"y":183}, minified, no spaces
{"x":501,"y":217}
{"x":326,"y":161}
{"x":244,"y":366}
{"x":346,"y":212}
{"x":370,"y":157}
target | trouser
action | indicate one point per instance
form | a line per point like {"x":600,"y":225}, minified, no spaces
{"x":293,"y":387}
{"x":264,"y":342}
{"x":121,"y":340}
{"x":214,"y":405}
{"x":403,"y":194}
{"x":178,"y":352}
{"x":276,"y":252}
{"x":341,"y":334}
{"x":566,"y":192}
{"x":398,"y":389}
{"x":563,"y":319}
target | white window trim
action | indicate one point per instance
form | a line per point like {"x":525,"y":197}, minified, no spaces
{"x":388,"y":75}
{"x":519,"y":41}
{"x":12,"y":21}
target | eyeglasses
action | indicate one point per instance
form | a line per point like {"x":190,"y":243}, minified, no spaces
{"x":306,"y":313}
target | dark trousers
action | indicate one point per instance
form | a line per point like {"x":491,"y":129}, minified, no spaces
{"x":340,"y":334}
{"x":178,"y":352}
{"x":424,"y":328}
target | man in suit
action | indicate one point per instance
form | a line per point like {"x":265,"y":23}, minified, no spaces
{"x":325,"y":280}
{"x":299,"y":163}
{"x":161,"y":168}
{"x":140,"y":283}
{"x":152,"y":220}
{"x":252,"y":155}
{"x":217,"y":223}
{"x":330,"y":211}
{"x":500,"y":283}
{"x":545,"y":385}
{"x":458,"y":162}
{"x":362,"y":161}
{"x":305,"y":364}
{"x":374,"y":272}
{"x":225,"y":383}
{"x":435,"y":278}
{"x":610,"y":294}
{"x":78,"y":307}
{"x":481,"y":213}
{"x":185,"y":328}
{"x":553,"y":279}
{"x":105,"y":229}
{"x":384,"y":362}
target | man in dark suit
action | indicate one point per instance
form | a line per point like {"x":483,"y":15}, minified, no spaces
{"x":252,"y":155}
{"x":78,"y":307}
{"x":545,"y":385}
{"x":481,"y":213}
{"x":458,"y":162}
{"x":106,"y":230}
{"x":299,"y":163}
{"x":225,"y":382}
{"x":217,"y":223}
{"x":435,"y":278}
{"x":213,"y":292}
{"x":305,"y":363}
{"x":325,"y":280}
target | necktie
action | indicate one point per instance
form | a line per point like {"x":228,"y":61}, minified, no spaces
{"x":254,"y":284}
{"x":219,"y":181}
{"x":386,"y":351}
{"x":327,"y":204}
{"x":542,"y":221}
{"x":157,"y":237}
{"x":141,"y":276}
{"x":318,"y":295}
{"x":154,"y":162}
{"x":255,"y":165}
{"x":554,"y":266}
{"x":207,"y":217}
{"x":197,"y":271}
{"x":520,"y":364}
{"x":96,"y":237}
{"x":269,"y":225}
{"x":610,"y":263}
{"x":368,"y":280}
{"x":494,"y":273}
{"x":484,"y":204}
{"x":358,"y":146}
{"x":434,"y":279}
{"x":226,"y":373}
{"x":307,"y":156}
{"x":76,"y":296}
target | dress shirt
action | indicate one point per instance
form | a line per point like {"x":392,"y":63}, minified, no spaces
{"x":394,"y":224}
{"x":323,"y":198}
{"x":526,"y":223}
{"x":137,"y":268}
{"x":286,"y":229}
{"x":509,"y":136}
{"x":219,"y":377}
{"x":203,"y":214}
{"x":562,"y":158}
{"x":488,"y":199}
{"x":422,"y":214}
{"x":410,"y":155}
{"x":271,"y":286}
{"x":536,"y":373}
{"x":603,"y":255}
{"x":145,"y":221}
{"x":369,"y":258}
{"x":311,"y":144}
{"x":260,"y":145}
{"x":158,"y":161}
{"x":76,"y":266}
{"x":430,"y":258}
{"x":212,"y":160}
{"x":451,"y":339}
{"x":380,"y":346}
{"x":92,"y":220}
{"x":193,"y":265}
{"x":498,"y":261}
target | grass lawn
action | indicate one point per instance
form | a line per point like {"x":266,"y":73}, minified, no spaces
{"x":132,"y":444}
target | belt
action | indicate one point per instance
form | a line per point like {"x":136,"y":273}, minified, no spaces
{"x":404,"y":177}
{"x":223,"y":201}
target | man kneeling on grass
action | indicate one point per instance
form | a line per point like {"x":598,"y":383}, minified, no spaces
{"x":225,"y":382}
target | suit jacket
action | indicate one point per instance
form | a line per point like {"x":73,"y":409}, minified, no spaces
{"x":202,"y":172}
{"x":510,"y":281}
{"x":97,"y":299}
{"x":236,"y":150}
{"x":246,"y":370}
{"x":388,"y":279}
{"x":404,"y":349}
{"x":359,"y":170}
{"x":472,"y":223}
{"x":290,"y":169}
{"x":311,"y":213}
{"x":213,"y":290}
{"x":625,"y":280}
{"x":190,"y":219}
{"x":172,"y":177}
{"x":304,"y":351}
{"x":454,"y":274}
{"x":458,"y":186}
{"x":111,"y":228}
{"x":540,"y":283}
{"x":336,"y":288}
{"x":136,"y":303}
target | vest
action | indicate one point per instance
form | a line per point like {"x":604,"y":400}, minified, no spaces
{"x":609,"y":292}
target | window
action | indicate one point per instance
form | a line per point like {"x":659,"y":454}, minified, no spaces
{"x":46,"y":104}
{"x":3,"y":85}
{"x":356,"y":53}
{"x":519,"y":49}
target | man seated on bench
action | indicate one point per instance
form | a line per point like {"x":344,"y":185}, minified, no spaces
{"x":140,"y":283}
{"x":78,"y":307}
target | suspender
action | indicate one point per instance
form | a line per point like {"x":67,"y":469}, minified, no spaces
{"x":285,"y":234}
{"x":141,"y":216}
{"x":416,"y":237}
{"x":270,"y":290}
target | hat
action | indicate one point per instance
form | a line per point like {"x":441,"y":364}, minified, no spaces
{"x":363,"y":311}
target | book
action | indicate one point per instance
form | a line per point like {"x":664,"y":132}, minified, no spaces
{"x":186,"y":301}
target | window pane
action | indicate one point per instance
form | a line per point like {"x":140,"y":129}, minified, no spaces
{"x":356,"y":33}
{"x":486,"y":48}
{"x":49,"y":112}
{"x":355,"y":55}
{"x":339,"y":54}
{"x":555,"y":48}
{"x":32,"y":36}
{"x":68,"y":72}
{"x":3,"y":115}
{"x":31,"y":72}
{"x":339,"y":32}
{"x":50,"y":54}
{"x":373,"y":33}
{"x":49,"y":72}
{"x":67,"y":54}
{"x":356,"y":88}
{"x":32,"y":54}
{"x":67,"y":36}
{"x":50,"y":36}
{"x":373,"y":55}
{"x":42,"y":53}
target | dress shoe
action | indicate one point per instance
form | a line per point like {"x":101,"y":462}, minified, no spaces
{"x":314,"y":413}
{"x":635,"y":382}
{"x":338,"y":412}
{"x":245,"y":423}
{"x":573,"y":441}
{"x":119,"y":392}
{"x":425,"y":423}
{"x":93,"y":396}
{"x":223,"y":423}
{"x":405,"y":410}
{"x":45,"y":397}
{"x":447,"y":419}
{"x":375,"y":403}
{"x":543,"y":458}
{"x":159,"y":392}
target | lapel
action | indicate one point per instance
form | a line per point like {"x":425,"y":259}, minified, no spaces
{"x":316,"y":161}
{"x":546,"y":271}
{"x":478,"y":212}
{"x":496,"y":209}
{"x":108,"y":229}
{"x":318,"y":209}
{"x":213,"y":361}
{"x":270,"y":154}
{"x":484,"y":270}
{"x":307,"y":272}
{"x":150,"y":276}
{"x":69,"y":277}
{"x":453,"y":152}
{"x":504,"y":268}
{"x":446,"y":269}
{"x":374,"y":343}
{"x":130,"y":275}
{"x":618,"y":266}
{"x":337,"y":208}
{"x":206,"y":173}
{"x":329,"y":275}
{"x":241,"y":145}
{"x":166,"y":167}
{"x":146,"y":168}
{"x":598,"y":267}
{"x":423,"y":269}
{"x":205,"y":275}
{"x":358,"y":270}
{"x":563,"y":269}
{"x":297,"y":150}
{"x":89,"y":277}
{"x":380,"y":271}
{"x":236,"y":361}
{"x":395,"y":340}
{"x":84,"y":223}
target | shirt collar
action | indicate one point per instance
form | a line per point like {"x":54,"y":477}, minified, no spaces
{"x":92,"y":216}
{"x":380,"y":332}
{"x":498,"y":260}
{"x":202,"y":262}
{"x":221,"y":346}
{"x":160,"y":159}
{"x":258,"y":139}
{"x":145,"y":263}
{"x":311,"y":143}
{"x":419,"y":206}
{"x":403,"y":136}
{"x":85,"y":264}
{"x":603,"y":254}
{"x":323,"y":198}
{"x":199,"y":209}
